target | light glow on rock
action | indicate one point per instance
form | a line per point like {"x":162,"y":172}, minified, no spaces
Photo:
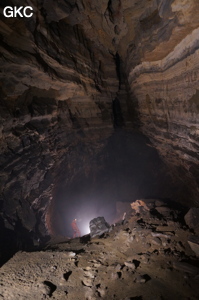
{"x":84,"y":227}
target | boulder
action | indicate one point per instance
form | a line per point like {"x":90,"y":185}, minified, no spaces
{"x":194,"y":244}
{"x":139,"y":206}
{"x":192,"y":219}
{"x":98,"y":226}
{"x":164,"y":211}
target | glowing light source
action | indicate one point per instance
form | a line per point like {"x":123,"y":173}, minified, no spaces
{"x":84,"y":227}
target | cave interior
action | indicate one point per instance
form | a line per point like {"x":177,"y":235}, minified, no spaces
{"x":99,"y":104}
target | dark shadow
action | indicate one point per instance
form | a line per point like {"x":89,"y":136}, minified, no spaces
{"x":119,"y":274}
{"x":146,"y":277}
{"x":51,"y":286}
{"x":117,"y":113}
{"x":67,"y":275}
{"x":136,"y":263}
{"x":85,"y":239}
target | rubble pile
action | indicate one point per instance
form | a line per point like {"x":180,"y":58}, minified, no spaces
{"x":148,"y":255}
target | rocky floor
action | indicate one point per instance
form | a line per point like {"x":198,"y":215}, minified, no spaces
{"x":147,"y":256}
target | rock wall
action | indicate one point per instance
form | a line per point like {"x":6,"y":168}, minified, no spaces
{"x":163,"y":70}
{"x":58,"y":82}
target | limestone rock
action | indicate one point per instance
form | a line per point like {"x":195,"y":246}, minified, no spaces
{"x":156,"y":241}
{"x":194,"y":244}
{"x":164,"y":210}
{"x":107,"y":267}
{"x":87,"y":282}
{"x":98,"y":226}
{"x":130,"y":265}
{"x":192,"y":219}
{"x":118,"y":267}
{"x":114,"y":276}
{"x":139,"y":206}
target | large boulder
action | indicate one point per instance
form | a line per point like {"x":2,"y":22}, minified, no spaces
{"x":98,"y":226}
{"x":192,"y":219}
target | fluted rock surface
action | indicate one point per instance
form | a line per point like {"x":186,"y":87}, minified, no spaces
{"x":164,"y":83}
{"x":57,"y":79}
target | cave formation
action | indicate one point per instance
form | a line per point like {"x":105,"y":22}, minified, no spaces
{"x":99,"y":104}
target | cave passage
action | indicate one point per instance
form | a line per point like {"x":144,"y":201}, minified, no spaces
{"x":125,"y":170}
{"x":99,"y":104}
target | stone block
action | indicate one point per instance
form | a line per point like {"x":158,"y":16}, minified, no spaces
{"x":98,"y":226}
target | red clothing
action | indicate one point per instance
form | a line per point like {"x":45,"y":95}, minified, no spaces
{"x":76,"y":231}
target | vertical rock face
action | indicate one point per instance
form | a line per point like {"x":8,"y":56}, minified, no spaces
{"x":163,"y":70}
{"x":74,"y":71}
{"x":58,"y":81}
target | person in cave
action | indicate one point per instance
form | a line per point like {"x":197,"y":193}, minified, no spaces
{"x":76,"y":231}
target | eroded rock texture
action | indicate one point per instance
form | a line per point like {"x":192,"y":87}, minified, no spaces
{"x":74,"y":71}
{"x":164,"y":82}
{"x":148,"y":257}
{"x":56,"y":81}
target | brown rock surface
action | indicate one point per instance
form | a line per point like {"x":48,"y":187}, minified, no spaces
{"x":112,"y":267}
{"x":194,"y":244}
{"x":192,"y":219}
{"x":164,"y":82}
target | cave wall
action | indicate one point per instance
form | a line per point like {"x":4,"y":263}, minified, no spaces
{"x":164,"y":85}
{"x":57,"y":86}
{"x":74,"y":71}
